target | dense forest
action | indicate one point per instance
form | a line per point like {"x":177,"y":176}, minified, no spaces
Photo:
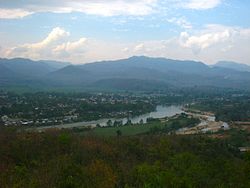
{"x":66,"y":159}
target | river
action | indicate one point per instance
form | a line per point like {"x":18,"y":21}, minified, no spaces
{"x":160,"y":112}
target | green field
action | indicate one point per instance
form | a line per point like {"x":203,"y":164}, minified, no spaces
{"x":137,"y":129}
{"x":125,"y":130}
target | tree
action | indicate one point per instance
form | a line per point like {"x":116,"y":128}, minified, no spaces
{"x":129,"y":122}
{"x":101,"y":174}
{"x":109,"y":123}
{"x":117,"y":123}
{"x":141,"y":121}
{"x":118,"y":132}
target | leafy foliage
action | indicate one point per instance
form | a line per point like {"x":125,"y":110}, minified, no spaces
{"x":65,"y":159}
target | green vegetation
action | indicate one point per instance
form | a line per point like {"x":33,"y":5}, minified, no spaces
{"x":181,"y":121}
{"x":57,"y":108}
{"x":51,"y":108}
{"x":64,"y":159}
{"x":226,"y":108}
{"x":127,"y":130}
{"x":141,"y":155}
{"x":238,"y":138}
{"x":152,"y":127}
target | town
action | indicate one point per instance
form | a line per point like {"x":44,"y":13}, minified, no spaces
{"x":57,"y":108}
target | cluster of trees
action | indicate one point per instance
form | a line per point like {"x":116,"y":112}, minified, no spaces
{"x":182,"y":121}
{"x":238,"y":137}
{"x":63,"y":159}
{"x":173,"y":124}
{"x":95,"y":111}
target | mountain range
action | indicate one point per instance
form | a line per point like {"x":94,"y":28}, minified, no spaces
{"x":233,"y":65}
{"x":137,"y":73}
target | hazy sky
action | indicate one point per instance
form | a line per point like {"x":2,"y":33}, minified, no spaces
{"x":83,"y":31}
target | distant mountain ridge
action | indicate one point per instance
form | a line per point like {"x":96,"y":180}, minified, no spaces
{"x":135,"y":73}
{"x":233,"y":65}
{"x":153,"y":71}
{"x":30,"y":68}
{"x":160,"y":64}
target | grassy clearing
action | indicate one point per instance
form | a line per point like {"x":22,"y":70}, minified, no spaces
{"x":125,"y":130}
{"x":152,"y":127}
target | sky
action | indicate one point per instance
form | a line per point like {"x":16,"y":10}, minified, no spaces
{"x":83,"y":31}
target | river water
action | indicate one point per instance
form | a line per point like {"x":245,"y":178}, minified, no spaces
{"x":160,"y":112}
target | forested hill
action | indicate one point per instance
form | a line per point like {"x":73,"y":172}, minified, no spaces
{"x":63,"y":159}
{"x":138,"y":73}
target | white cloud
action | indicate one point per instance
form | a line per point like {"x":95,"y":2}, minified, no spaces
{"x":126,"y":49}
{"x":19,"y":9}
{"x":201,"y":4}
{"x":202,"y":41}
{"x":210,"y":44}
{"x":55,"y":35}
{"x":68,"y":48}
{"x":58,"y":46}
{"x":182,"y":22}
{"x":212,"y":36}
{"x":148,"y":47}
{"x":34,"y":50}
{"x":139,"y":47}
{"x":94,"y":7}
{"x":13,"y":13}
{"x":244,"y":32}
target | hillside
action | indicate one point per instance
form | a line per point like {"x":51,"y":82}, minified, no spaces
{"x":30,"y":68}
{"x":66,"y":159}
{"x":168,"y":72}
{"x":233,"y":65}
{"x":138,"y":73}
